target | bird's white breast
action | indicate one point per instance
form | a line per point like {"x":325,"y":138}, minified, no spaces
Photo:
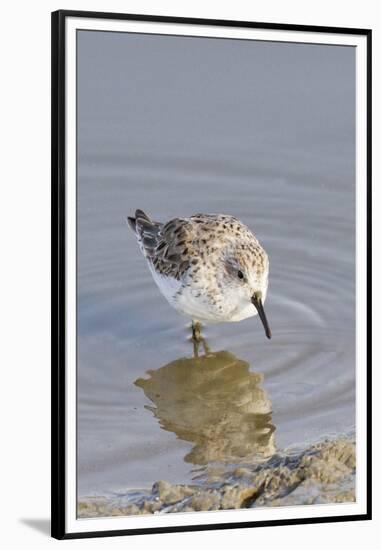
{"x":245,"y":311}
{"x":168,"y":286}
{"x":190,"y":300}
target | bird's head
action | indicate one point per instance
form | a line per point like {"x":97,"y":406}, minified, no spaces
{"x":245,"y":273}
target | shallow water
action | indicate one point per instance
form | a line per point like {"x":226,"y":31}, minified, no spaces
{"x":277,"y":153}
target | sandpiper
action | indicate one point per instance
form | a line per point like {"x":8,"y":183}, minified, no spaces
{"x":210,"y":267}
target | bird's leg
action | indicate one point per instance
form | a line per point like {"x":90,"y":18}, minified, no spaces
{"x":206,"y":347}
{"x":196,"y":347}
{"x":196,"y":331}
{"x":198,"y":339}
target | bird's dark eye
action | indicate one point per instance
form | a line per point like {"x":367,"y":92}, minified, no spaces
{"x":240,"y":275}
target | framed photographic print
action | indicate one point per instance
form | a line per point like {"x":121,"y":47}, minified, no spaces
{"x":211,"y":274}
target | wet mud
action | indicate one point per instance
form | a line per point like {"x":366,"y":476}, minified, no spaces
{"x":321,"y":473}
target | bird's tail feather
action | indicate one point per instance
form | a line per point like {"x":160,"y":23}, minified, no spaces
{"x":146,"y":230}
{"x":139,"y":215}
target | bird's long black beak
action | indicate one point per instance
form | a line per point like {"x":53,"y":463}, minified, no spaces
{"x":257,"y":302}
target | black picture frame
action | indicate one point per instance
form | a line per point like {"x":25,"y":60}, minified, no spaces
{"x":59,"y":246}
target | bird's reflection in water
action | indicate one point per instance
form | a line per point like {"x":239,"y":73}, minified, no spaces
{"x":215,"y":402}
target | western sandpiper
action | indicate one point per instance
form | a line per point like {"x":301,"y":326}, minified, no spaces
{"x":210,"y":267}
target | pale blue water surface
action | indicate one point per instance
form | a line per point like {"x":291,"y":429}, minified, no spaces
{"x":262,"y":131}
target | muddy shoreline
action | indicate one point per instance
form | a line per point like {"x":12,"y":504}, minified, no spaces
{"x":321,"y":473}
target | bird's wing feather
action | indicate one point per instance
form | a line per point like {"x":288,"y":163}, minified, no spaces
{"x":166,"y":246}
{"x":171,"y":255}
